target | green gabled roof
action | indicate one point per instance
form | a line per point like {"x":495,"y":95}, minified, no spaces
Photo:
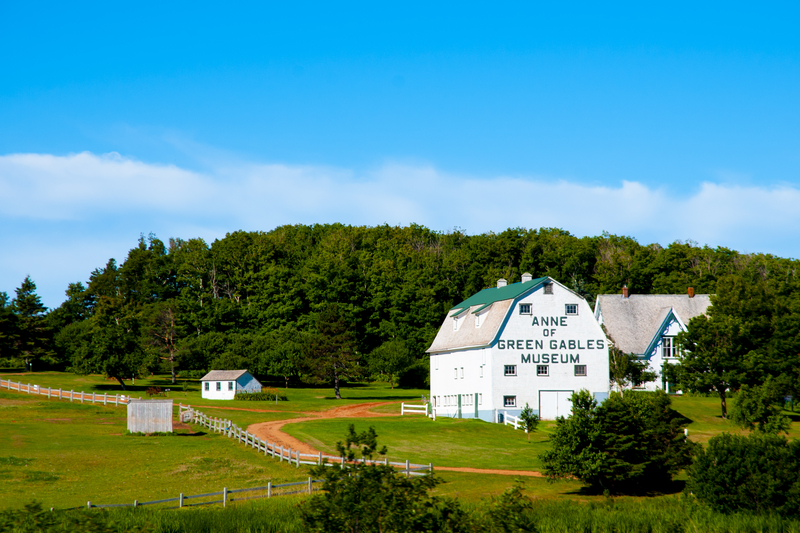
{"x":497,"y":294}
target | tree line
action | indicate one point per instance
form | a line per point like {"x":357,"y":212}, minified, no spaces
{"x":330,"y":303}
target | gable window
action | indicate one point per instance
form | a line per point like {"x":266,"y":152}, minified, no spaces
{"x":479,"y":319}
{"x":509,"y":401}
{"x":524,"y":309}
{"x":548,"y":288}
{"x":580,"y":370}
{"x":571,"y":309}
{"x":207,"y":385}
{"x":669,"y":348}
{"x":455,"y":323}
{"x":481,"y":367}
{"x":219,"y":386}
{"x":462,"y":372}
{"x":542,"y":370}
{"x":510,"y":370}
{"x":455,"y":373}
{"x":230,"y":385}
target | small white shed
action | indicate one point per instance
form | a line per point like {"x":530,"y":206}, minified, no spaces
{"x":224,"y":384}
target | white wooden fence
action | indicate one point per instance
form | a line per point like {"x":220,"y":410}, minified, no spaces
{"x":270,"y":491}
{"x":413,"y":409}
{"x":73,"y":396}
{"x":511,"y":420}
{"x":218,"y":425}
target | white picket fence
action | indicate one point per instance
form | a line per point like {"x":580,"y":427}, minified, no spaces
{"x":271,"y":449}
{"x":73,"y":396}
{"x":511,"y":420}
{"x":270,"y":491}
{"x":413,"y":409}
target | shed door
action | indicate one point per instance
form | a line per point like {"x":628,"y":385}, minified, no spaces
{"x":553,"y":404}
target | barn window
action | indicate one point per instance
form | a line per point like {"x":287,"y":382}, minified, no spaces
{"x":548,"y":288}
{"x":206,"y":384}
{"x":524,"y":309}
{"x":480,"y":398}
{"x":571,"y":309}
{"x":481,"y":370}
{"x":462,"y":372}
{"x":580,"y":370}
{"x":455,"y":373}
{"x":230,"y":385}
{"x":219,"y":386}
{"x":509,"y":401}
{"x":542,"y":370}
{"x":510,"y":370}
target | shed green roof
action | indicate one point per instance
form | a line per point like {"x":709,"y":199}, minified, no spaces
{"x":488,"y":296}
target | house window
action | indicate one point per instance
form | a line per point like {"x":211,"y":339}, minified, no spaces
{"x":571,"y":309}
{"x":548,"y":288}
{"x":580,"y":370}
{"x":510,"y":370}
{"x":669,"y":348}
{"x":207,"y":385}
{"x":480,"y":398}
{"x":455,"y":373}
{"x":481,"y":371}
{"x":219,"y":386}
{"x":455,"y":323}
{"x":542,"y":370}
{"x":509,"y":401}
{"x":230,"y":385}
{"x":462,"y":372}
{"x":524,"y":309}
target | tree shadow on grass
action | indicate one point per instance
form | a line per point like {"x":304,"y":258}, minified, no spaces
{"x":674,"y":487}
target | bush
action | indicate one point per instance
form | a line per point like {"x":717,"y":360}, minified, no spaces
{"x":758,"y":473}
{"x":628,"y":444}
{"x":266,"y":395}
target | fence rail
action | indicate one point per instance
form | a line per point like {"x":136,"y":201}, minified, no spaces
{"x":73,"y":396}
{"x":269,"y":491}
{"x":413,"y":409}
{"x":274,"y":450}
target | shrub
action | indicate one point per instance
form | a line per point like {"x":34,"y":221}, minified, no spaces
{"x":629,"y":444}
{"x":266,"y":394}
{"x":758,"y":473}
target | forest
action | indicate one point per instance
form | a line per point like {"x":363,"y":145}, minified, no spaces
{"x":318,"y":303}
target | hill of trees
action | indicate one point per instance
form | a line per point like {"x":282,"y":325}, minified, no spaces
{"x":326,"y":302}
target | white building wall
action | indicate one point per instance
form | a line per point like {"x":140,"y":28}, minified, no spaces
{"x":656,"y":362}
{"x":213,"y":394}
{"x":547,"y":336}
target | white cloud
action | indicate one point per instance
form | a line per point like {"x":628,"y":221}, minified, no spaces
{"x":107,"y":194}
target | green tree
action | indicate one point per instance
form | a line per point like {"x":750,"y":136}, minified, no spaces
{"x":34,"y":340}
{"x":625,"y":369}
{"x":390,"y":359}
{"x":760,"y":407}
{"x":629,"y":444}
{"x":164,"y":335}
{"x":530,"y":420}
{"x":8,"y":328}
{"x":755,"y":473}
{"x":372,"y":497}
{"x":331,"y":350}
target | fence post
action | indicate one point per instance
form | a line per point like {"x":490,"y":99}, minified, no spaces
{"x":430,"y":468}
{"x":269,"y":489}
{"x":402,"y":408}
{"x":135,"y":504}
{"x":81,"y":396}
{"x":343,"y":462}
{"x":71,"y":394}
{"x":408,"y":472}
{"x":297,"y":455}
{"x":88,"y":505}
{"x":309,"y":484}
{"x":180,"y":501}
{"x":29,"y":388}
{"x":224,"y":496}
{"x":93,"y":399}
{"x":319,"y":461}
{"x":105,"y":398}
{"x":281,"y":455}
{"x":49,"y":392}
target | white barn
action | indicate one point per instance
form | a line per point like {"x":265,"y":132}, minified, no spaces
{"x":533,"y":342}
{"x":224,"y":384}
{"x":647,"y":324}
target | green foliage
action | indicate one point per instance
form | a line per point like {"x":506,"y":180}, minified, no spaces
{"x":266,"y":395}
{"x":760,"y":407}
{"x":34,"y":519}
{"x":756,"y":473}
{"x":626,"y":369}
{"x":375,"y":497}
{"x":331,"y":354}
{"x":530,"y":420}
{"x":628,"y":444}
{"x":390,"y":360}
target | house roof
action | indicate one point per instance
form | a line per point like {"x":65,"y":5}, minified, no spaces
{"x":633,"y":322}
{"x":496,"y":294}
{"x":495,"y":302}
{"x":223,"y":375}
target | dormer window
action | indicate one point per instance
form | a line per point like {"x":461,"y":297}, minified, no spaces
{"x":548,"y":288}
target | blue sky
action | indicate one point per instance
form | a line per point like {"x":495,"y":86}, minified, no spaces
{"x":197,"y":119}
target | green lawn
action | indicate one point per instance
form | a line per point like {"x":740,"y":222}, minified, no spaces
{"x":446,"y":442}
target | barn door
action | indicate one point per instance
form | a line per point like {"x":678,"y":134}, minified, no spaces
{"x":555,"y":403}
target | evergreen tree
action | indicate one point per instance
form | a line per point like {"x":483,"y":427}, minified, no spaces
{"x":34,"y":339}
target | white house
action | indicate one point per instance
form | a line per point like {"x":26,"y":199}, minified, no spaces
{"x":224,"y":384}
{"x":533,"y":342}
{"x":646,"y":325}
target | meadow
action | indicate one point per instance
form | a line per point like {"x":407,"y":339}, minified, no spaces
{"x":64,"y":454}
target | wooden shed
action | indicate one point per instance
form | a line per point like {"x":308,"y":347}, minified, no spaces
{"x":150,"y":416}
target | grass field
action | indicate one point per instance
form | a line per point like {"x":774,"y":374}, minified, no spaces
{"x":64,"y":454}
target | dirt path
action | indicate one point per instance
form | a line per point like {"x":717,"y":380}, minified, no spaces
{"x":272,"y":432}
